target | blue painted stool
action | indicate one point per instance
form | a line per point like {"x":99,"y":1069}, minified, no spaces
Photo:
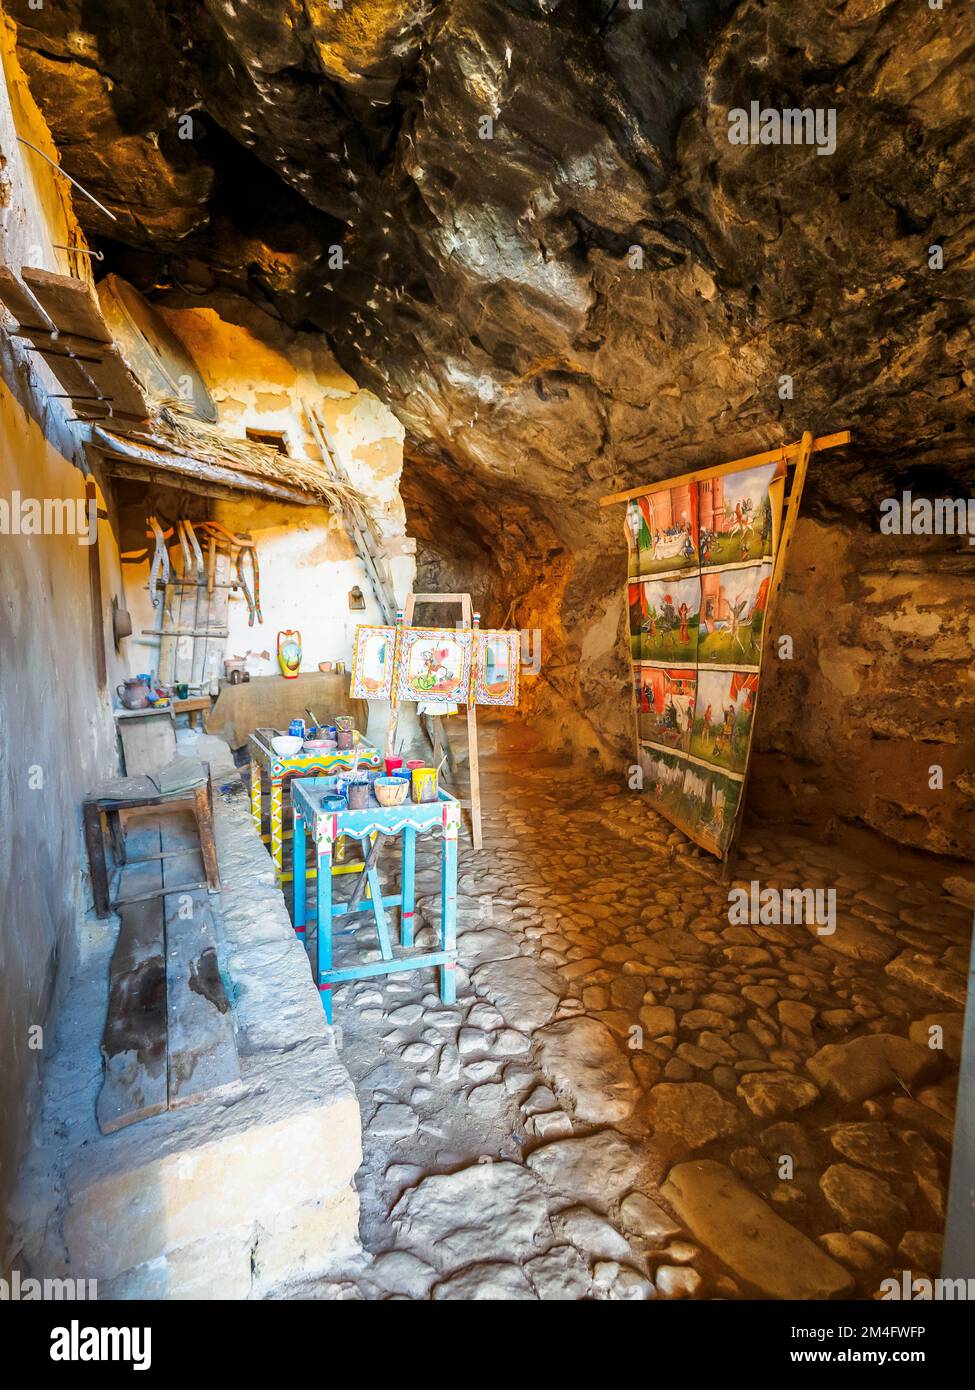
{"x":441,"y":816}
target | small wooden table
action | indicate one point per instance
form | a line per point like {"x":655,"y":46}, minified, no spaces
{"x":441,"y":816}
{"x":141,"y":794}
{"x":266,"y":765}
{"x":192,"y":706}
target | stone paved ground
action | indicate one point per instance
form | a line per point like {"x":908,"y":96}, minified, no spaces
{"x":634,"y":1098}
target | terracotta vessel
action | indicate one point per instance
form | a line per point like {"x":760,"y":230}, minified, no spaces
{"x":134,"y":694}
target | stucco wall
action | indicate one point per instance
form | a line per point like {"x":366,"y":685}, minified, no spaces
{"x":258,"y":374}
{"x":56,"y":730}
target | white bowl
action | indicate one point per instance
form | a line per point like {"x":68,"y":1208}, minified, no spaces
{"x":286,"y":745}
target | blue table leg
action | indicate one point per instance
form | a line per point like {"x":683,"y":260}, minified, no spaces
{"x":378,"y":910}
{"x":408,"y":889}
{"x":298,"y":881}
{"x":323,"y":937}
{"x":448,"y":916}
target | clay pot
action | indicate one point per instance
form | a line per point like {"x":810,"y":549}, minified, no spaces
{"x":134,"y":694}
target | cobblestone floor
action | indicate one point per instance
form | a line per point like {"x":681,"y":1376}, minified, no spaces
{"x":635,"y":1097}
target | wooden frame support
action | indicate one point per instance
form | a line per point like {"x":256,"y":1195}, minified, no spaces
{"x":467,"y":618}
{"x":785,"y":453}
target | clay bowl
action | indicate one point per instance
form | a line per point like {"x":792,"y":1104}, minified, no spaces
{"x":391,"y":791}
{"x":319,"y":745}
{"x":286,"y":745}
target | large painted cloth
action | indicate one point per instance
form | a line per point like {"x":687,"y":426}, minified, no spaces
{"x":700,"y":565}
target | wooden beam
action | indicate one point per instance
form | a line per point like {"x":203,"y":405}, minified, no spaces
{"x":210,"y":480}
{"x":783,"y":454}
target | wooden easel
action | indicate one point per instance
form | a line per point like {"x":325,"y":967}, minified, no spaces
{"x":467,"y":618}
{"x":789,"y":454}
{"x":791,"y":520}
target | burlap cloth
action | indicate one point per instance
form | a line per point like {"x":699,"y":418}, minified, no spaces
{"x":271,"y":702}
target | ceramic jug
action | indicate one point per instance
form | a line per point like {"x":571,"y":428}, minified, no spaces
{"x":289,"y":653}
{"x":135,"y":694}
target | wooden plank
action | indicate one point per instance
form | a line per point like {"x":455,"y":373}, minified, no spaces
{"x":134,"y":1039}
{"x":202,"y":1044}
{"x":22,"y":303}
{"x":116,"y":383}
{"x":147,"y":744}
{"x":68,"y":302}
{"x":783,"y":453}
{"x":73,"y":376}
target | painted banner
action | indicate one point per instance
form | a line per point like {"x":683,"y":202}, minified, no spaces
{"x":701,"y":554}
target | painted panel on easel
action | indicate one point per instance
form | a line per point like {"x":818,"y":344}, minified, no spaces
{"x":496,"y":667}
{"x":434,"y":664}
{"x":701,"y":558}
{"x":373,"y":663}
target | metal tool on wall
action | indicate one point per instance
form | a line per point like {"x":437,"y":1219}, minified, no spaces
{"x":192,"y":598}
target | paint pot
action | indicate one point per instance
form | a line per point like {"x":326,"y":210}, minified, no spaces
{"x":297,"y":728}
{"x":390,"y":791}
{"x":392,"y":764}
{"x":424,"y":784}
{"x":415,"y":762}
{"x":359,"y":794}
{"x":403,"y":773}
{"x":344,"y":739}
{"x":334,"y":803}
{"x":344,"y":721}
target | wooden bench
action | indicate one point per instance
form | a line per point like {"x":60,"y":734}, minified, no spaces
{"x":142,"y":794}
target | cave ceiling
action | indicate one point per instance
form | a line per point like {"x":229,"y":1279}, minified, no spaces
{"x":555,"y":266}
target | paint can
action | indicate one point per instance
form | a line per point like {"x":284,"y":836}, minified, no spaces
{"x":392,"y":764}
{"x":297,"y":728}
{"x":358,"y":790}
{"x":424,"y":784}
{"x":344,"y":739}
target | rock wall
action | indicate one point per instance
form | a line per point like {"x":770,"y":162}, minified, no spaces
{"x":880,"y":693}
{"x":523,"y":224}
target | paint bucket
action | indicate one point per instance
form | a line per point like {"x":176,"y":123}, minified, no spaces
{"x":334,"y":803}
{"x":424,"y":784}
{"x":359,"y":794}
{"x":344,"y":721}
{"x":344,"y":739}
{"x":415,"y":762}
{"x":392,"y":764}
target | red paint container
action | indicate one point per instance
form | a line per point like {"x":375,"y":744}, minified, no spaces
{"x":392,"y":764}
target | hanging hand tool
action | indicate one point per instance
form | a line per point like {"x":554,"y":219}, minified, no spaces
{"x":160,"y":564}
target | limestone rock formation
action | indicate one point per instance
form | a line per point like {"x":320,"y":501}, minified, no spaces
{"x":524,"y":225}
